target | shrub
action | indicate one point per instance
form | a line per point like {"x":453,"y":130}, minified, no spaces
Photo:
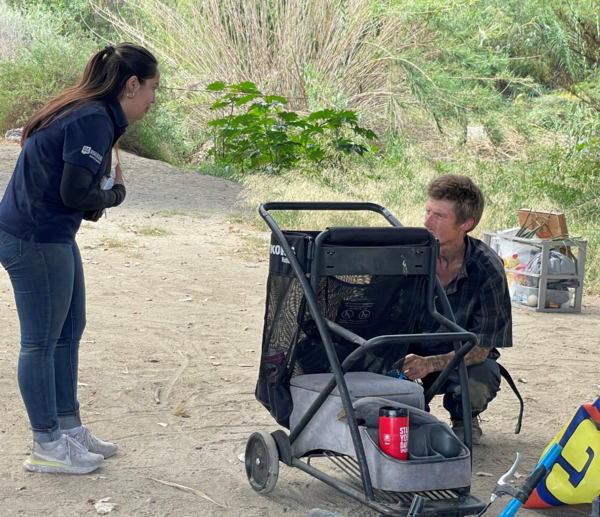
{"x":42,"y":62}
{"x":69,"y":16}
{"x":266,"y":136}
{"x":13,"y":31}
{"x":40,"y":57}
{"x":161,"y":135}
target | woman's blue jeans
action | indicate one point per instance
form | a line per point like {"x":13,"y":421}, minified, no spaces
{"x":49,"y":288}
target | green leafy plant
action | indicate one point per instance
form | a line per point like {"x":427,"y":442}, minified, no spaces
{"x":256,"y":131}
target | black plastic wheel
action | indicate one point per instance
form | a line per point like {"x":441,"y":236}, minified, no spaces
{"x":262,"y":461}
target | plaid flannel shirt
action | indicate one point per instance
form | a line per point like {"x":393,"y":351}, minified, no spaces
{"x":480,"y":301}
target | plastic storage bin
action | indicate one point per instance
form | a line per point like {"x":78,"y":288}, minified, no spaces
{"x":529,"y":296}
{"x":548,"y":300}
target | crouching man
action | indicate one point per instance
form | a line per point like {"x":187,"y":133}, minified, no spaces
{"x":475,"y":283}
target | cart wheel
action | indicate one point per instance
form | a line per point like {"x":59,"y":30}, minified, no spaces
{"x":262,"y":461}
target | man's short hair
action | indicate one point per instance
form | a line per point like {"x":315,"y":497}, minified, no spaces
{"x":467,"y":197}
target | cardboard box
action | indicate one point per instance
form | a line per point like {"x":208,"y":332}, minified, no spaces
{"x":554,"y":223}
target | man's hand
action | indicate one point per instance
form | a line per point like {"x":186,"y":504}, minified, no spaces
{"x":416,"y":367}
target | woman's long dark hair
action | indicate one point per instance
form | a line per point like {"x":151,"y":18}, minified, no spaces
{"x":103,"y":79}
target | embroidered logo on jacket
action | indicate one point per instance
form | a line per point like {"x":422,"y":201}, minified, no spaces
{"x":97,"y":157}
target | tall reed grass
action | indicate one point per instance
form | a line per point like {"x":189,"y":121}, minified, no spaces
{"x":338,"y":53}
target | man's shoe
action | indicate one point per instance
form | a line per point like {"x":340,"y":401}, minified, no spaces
{"x":458,"y":426}
{"x":64,"y":456}
{"x":90,"y":442}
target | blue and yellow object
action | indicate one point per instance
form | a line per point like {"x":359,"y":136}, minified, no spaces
{"x":575,"y":477}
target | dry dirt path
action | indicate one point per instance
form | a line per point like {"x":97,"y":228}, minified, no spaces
{"x":175,"y":290}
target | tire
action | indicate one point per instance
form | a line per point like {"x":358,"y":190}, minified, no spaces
{"x":262,"y":461}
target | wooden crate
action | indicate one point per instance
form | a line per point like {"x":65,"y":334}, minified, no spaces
{"x":554,"y":223}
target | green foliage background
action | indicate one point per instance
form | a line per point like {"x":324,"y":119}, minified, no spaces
{"x":505,"y":91}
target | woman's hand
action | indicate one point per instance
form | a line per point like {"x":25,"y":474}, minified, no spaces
{"x":118,"y":175}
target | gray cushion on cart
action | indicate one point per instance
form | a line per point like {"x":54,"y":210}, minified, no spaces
{"x":366,"y":384}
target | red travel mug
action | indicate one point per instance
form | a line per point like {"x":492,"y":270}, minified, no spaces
{"x":393,"y":431}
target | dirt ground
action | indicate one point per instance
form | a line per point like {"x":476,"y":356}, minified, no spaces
{"x":175,"y":291}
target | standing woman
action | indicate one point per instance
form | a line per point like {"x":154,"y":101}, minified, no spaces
{"x":67,"y":148}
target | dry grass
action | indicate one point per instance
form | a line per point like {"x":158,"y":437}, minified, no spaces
{"x":330,"y":52}
{"x":116,"y":243}
{"x":254,"y":247}
{"x":177,"y":212}
{"x":402,"y":195}
{"x":152,"y":231}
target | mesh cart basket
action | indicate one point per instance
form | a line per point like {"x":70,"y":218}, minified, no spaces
{"x":341,"y":309}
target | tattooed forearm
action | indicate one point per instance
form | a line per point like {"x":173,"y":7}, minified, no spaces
{"x":438,"y":362}
{"x":477,"y":355}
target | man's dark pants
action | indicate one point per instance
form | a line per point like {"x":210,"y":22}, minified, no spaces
{"x":484,"y":384}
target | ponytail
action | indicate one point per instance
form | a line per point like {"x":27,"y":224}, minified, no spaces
{"x":104,"y":79}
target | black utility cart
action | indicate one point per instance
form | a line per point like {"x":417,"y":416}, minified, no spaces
{"x":341,"y":310}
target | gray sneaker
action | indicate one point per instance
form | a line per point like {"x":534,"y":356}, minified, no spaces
{"x":91,"y":443}
{"x":458,"y":426}
{"x":65,"y":456}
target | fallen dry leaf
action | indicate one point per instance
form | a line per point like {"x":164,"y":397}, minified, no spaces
{"x":181,"y":411}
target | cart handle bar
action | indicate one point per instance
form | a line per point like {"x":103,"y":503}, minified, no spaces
{"x":328,"y":205}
